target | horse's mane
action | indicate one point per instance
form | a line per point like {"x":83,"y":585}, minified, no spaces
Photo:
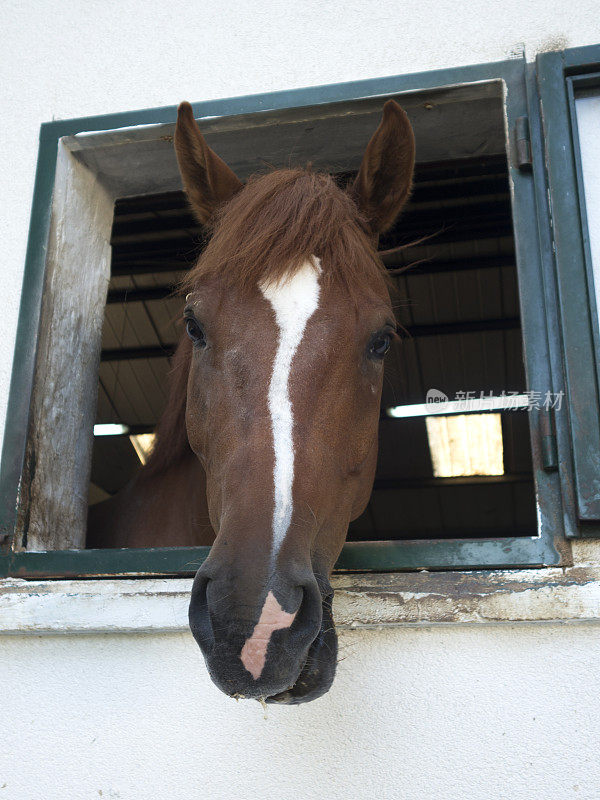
{"x":269,"y":229}
{"x":171,"y":443}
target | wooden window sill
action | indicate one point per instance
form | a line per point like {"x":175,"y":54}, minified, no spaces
{"x":569,"y":594}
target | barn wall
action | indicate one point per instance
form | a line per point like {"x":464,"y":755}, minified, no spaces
{"x":433,"y":712}
{"x":502,"y":713}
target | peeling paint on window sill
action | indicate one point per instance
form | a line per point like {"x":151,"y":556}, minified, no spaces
{"x":569,"y":594}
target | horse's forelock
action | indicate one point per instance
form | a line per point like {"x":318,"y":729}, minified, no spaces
{"x":278,"y":221}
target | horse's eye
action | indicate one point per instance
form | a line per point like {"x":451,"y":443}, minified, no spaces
{"x":379,"y":346}
{"x":195,"y":332}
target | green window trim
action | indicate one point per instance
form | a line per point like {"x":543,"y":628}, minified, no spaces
{"x":542,"y":346}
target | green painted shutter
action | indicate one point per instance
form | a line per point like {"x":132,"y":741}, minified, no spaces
{"x":558,"y":75}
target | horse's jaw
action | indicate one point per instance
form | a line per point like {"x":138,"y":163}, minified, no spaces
{"x":318,"y":672}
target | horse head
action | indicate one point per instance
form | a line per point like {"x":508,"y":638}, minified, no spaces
{"x":289,"y":319}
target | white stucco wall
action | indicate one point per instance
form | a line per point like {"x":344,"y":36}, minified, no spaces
{"x":446,"y":712}
{"x":502,"y":712}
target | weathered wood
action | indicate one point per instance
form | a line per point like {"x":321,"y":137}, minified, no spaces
{"x":54,"y":487}
{"x":327,"y":135}
{"x":566,"y":595}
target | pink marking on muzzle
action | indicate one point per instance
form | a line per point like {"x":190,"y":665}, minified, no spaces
{"x":272,"y":618}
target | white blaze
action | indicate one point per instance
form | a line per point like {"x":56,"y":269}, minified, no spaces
{"x":294,"y":300}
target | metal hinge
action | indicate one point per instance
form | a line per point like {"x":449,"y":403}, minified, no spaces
{"x":548,"y":440}
{"x":522,"y":144}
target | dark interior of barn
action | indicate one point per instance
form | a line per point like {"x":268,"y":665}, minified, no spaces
{"x":452,"y":257}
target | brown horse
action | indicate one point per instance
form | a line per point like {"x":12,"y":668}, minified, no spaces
{"x":271,"y":427}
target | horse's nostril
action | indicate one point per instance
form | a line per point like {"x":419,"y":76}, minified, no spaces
{"x":308,"y":617}
{"x":199,"y":615}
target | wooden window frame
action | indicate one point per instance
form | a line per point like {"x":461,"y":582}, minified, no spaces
{"x":542,"y":345}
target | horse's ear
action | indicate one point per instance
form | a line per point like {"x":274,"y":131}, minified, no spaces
{"x":207,"y":180}
{"x":384,"y":179}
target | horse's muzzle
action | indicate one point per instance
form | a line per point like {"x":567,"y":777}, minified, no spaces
{"x":296,"y":663}
{"x":317,"y":675}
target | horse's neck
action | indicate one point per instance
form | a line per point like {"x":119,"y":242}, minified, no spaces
{"x":165,"y":509}
{"x":165,"y":503}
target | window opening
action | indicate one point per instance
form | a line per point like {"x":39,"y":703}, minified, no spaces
{"x":457,"y":299}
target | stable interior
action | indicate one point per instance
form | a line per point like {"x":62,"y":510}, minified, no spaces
{"x":448,"y":476}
